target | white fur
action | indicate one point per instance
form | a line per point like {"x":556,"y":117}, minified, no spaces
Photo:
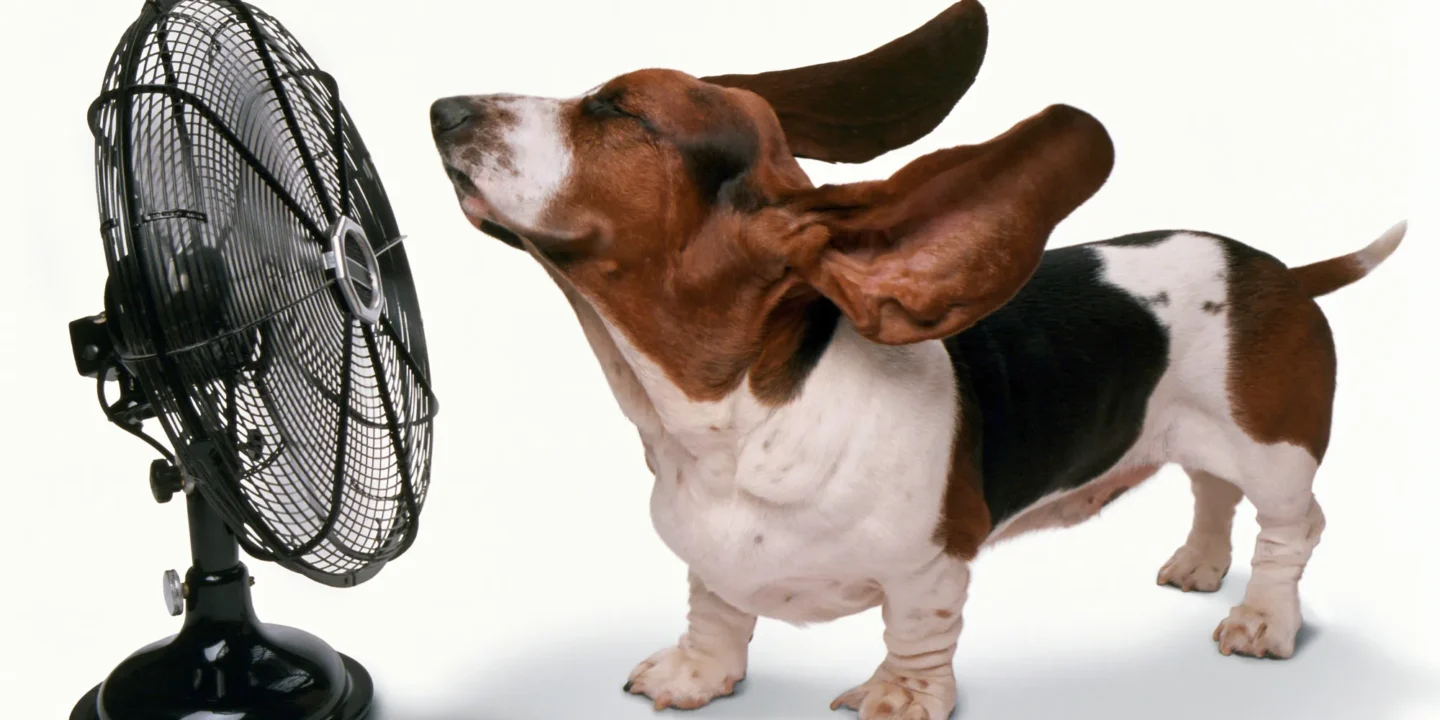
{"x":809,"y":512}
{"x":1376,"y":252}
{"x":520,"y":184}
{"x":800,"y":512}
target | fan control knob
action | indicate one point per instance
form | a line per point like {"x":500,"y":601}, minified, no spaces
{"x":174,"y":593}
{"x":165,"y":480}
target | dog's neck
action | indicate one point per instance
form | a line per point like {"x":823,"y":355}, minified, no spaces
{"x":845,"y":379}
{"x":844,"y":382}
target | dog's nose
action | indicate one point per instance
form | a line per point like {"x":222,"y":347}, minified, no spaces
{"x":450,"y":114}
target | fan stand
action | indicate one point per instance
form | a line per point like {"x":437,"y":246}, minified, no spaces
{"x":224,"y":662}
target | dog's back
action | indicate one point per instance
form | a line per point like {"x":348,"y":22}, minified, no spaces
{"x":1123,"y":355}
{"x":1062,"y":376}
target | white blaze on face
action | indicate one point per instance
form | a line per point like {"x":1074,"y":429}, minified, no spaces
{"x":523,"y":171}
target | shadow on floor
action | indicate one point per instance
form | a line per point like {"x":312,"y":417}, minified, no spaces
{"x":1335,"y":675}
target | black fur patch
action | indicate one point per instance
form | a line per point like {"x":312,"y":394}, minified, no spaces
{"x":1143,"y":239}
{"x":719,"y":159}
{"x":821,"y":319}
{"x":501,"y":233}
{"x":717,"y":164}
{"x":1061,"y":376}
{"x":817,"y":320}
{"x":1161,"y":299}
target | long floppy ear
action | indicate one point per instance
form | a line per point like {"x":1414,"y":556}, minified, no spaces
{"x":857,"y":109}
{"x":952,"y":236}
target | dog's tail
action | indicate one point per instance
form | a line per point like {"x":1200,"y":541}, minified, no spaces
{"x":1327,"y":276}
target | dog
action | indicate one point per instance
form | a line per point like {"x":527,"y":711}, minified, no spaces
{"x":845,"y":392}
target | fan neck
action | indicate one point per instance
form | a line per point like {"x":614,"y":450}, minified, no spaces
{"x":217,"y":584}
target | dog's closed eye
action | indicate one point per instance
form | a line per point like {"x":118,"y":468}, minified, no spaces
{"x":609,"y":105}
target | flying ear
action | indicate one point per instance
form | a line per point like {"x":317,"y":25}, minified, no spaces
{"x":857,"y":109}
{"x":952,"y":236}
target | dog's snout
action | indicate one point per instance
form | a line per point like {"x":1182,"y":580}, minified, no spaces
{"x":450,"y":114}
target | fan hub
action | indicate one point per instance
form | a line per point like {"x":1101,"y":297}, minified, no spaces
{"x":356,"y":270}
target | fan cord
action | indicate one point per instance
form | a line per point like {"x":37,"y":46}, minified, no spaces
{"x":133,"y":427}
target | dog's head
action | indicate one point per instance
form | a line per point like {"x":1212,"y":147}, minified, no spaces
{"x":676,"y":207}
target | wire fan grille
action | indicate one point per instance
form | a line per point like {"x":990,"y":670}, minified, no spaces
{"x":224,"y":157}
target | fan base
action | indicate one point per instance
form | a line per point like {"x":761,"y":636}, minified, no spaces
{"x":224,"y":662}
{"x":354,"y":704}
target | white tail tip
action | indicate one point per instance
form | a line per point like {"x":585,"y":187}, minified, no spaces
{"x":1383,"y":246}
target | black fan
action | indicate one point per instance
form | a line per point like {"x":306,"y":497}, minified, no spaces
{"x":260,"y":306}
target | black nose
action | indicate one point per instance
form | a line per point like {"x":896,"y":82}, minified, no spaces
{"x":450,"y":114}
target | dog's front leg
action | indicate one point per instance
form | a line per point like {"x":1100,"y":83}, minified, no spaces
{"x":708,"y":661}
{"x":922,"y":613}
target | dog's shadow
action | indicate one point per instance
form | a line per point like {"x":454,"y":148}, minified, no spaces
{"x":1335,"y":674}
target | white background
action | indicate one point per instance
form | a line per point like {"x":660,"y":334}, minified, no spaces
{"x":1303,"y":128}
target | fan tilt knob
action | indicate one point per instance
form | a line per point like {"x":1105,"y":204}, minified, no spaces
{"x":165,"y":480}
{"x":174,"y":593}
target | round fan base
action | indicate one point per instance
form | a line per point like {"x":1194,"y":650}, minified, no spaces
{"x":355,"y":705}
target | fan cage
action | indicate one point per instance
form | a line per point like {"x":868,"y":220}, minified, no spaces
{"x":224,"y":158}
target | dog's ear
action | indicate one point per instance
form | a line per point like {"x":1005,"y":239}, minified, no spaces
{"x":857,"y":109}
{"x":950,"y":237}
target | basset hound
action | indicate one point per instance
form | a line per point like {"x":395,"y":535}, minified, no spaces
{"x":845,"y":392}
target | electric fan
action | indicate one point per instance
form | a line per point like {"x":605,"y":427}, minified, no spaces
{"x":260,"y":306}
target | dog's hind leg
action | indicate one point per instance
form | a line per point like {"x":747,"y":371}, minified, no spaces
{"x":1280,"y":387}
{"x":1291,"y":522}
{"x":1201,"y":563}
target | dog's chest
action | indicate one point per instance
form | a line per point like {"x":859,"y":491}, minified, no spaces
{"x":795,"y":512}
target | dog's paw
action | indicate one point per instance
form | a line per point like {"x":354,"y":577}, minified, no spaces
{"x":676,"y":678}
{"x":1258,"y":633}
{"x":1197,"y":569}
{"x":888,"y":696}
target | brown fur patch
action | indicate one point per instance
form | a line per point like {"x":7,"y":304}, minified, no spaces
{"x":1282,"y":355}
{"x":856,"y":109}
{"x":663,"y":263}
{"x":965,"y":518}
{"x":952,"y":235}
{"x":1327,"y":276}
